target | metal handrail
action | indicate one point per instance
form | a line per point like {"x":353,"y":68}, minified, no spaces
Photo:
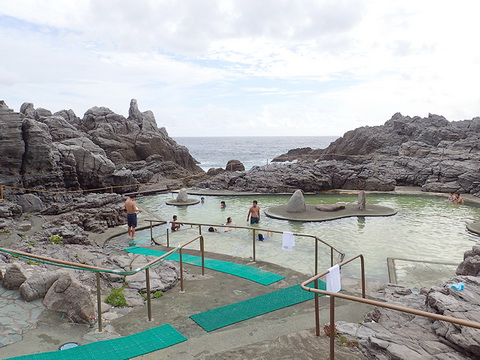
{"x":254,"y":229}
{"x":333,"y":295}
{"x":146,"y":267}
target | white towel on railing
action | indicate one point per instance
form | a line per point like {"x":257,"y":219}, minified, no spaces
{"x":168,"y":225}
{"x":333,"y":279}
{"x":288,"y":241}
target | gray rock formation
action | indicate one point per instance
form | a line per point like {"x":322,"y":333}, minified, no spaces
{"x":307,"y":176}
{"x":63,"y":152}
{"x":14,"y":276}
{"x":432,"y":153}
{"x":235,"y":165}
{"x":471,"y":263}
{"x":69,"y":296}
{"x":296,"y":204}
{"x":390,"y":334}
{"x":36,"y":286}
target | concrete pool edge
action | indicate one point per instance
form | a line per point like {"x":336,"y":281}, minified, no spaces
{"x":311,"y":214}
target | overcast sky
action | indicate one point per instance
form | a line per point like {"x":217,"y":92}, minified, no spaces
{"x":244,"y":67}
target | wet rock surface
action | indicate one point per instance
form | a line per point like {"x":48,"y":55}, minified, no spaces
{"x":390,"y":334}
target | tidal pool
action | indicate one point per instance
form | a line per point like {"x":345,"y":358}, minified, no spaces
{"x":425,"y":228}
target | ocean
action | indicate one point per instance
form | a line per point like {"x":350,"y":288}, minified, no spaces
{"x":215,"y":152}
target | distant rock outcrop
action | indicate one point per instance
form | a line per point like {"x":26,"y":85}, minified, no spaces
{"x":235,"y":165}
{"x":432,"y":153}
{"x":60,"y":151}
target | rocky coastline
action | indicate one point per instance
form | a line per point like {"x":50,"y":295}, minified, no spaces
{"x":66,"y":177}
{"x":431,"y":153}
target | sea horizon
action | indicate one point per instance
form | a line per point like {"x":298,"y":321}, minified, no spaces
{"x":216,"y":151}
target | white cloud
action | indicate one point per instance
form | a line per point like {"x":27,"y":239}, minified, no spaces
{"x":231,"y":67}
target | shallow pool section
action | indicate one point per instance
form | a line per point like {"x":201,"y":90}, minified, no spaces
{"x":426,"y":228}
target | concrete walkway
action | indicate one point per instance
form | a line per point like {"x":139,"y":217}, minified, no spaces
{"x":284,"y":334}
{"x":256,"y":337}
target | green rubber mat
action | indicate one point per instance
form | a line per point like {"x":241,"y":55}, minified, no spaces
{"x":247,"y":272}
{"x":125,"y":347}
{"x":230,"y":314}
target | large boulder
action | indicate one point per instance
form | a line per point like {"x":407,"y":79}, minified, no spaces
{"x":471,"y":263}
{"x":30,"y":203}
{"x":14,"y":276}
{"x":296,"y":204}
{"x":234,"y":165}
{"x":69,"y":296}
{"x":36,"y":286}
{"x":182,"y":195}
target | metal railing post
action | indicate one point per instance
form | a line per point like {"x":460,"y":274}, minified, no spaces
{"x":181,"y":271}
{"x":317,"y":311}
{"x":202,"y":251}
{"x":149,"y":296}
{"x":253,"y":245}
{"x":151,"y":231}
{"x":316,"y":257}
{"x":168,"y":237}
{"x":331,"y":256}
{"x":99,"y":303}
{"x":332,"y":327}
{"x":362,"y":266}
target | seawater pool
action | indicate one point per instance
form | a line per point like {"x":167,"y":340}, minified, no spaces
{"x":425,"y":228}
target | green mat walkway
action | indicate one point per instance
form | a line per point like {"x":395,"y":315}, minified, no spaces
{"x":247,"y":272}
{"x":230,"y":314}
{"x":122,"y":348}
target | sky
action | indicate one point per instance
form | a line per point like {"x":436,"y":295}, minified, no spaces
{"x":244,"y":67}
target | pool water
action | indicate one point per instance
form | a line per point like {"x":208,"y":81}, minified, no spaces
{"x":425,"y":228}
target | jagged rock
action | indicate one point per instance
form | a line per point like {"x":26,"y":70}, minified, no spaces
{"x":296,"y":204}
{"x":14,"y":276}
{"x":163,"y":277}
{"x":390,"y":334}
{"x":471,"y":263}
{"x":214,"y":171}
{"x":64,"y":152}
{"x":9,"y":209}
{"x":182,"y":195}
{"x":234,"y":165}
{"x":433,"y":153}
{"x":36,"y":286}
{"x":69,"y":296}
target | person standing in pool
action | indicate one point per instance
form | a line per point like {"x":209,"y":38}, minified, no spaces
{"x":132,"y":210}
{"x":254,"y":213}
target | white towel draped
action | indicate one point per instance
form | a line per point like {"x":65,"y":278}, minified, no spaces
{"x":288,"y":241}
{"x":333,"y":279}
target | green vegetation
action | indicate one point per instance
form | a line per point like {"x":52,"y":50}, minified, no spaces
{"x":55,"y":239}
{"x":116,"y":298}
{"x":5,"y":231}
{"x":343,"y":341}
{"x":31,"y":262}
{"x":155,"y":295}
